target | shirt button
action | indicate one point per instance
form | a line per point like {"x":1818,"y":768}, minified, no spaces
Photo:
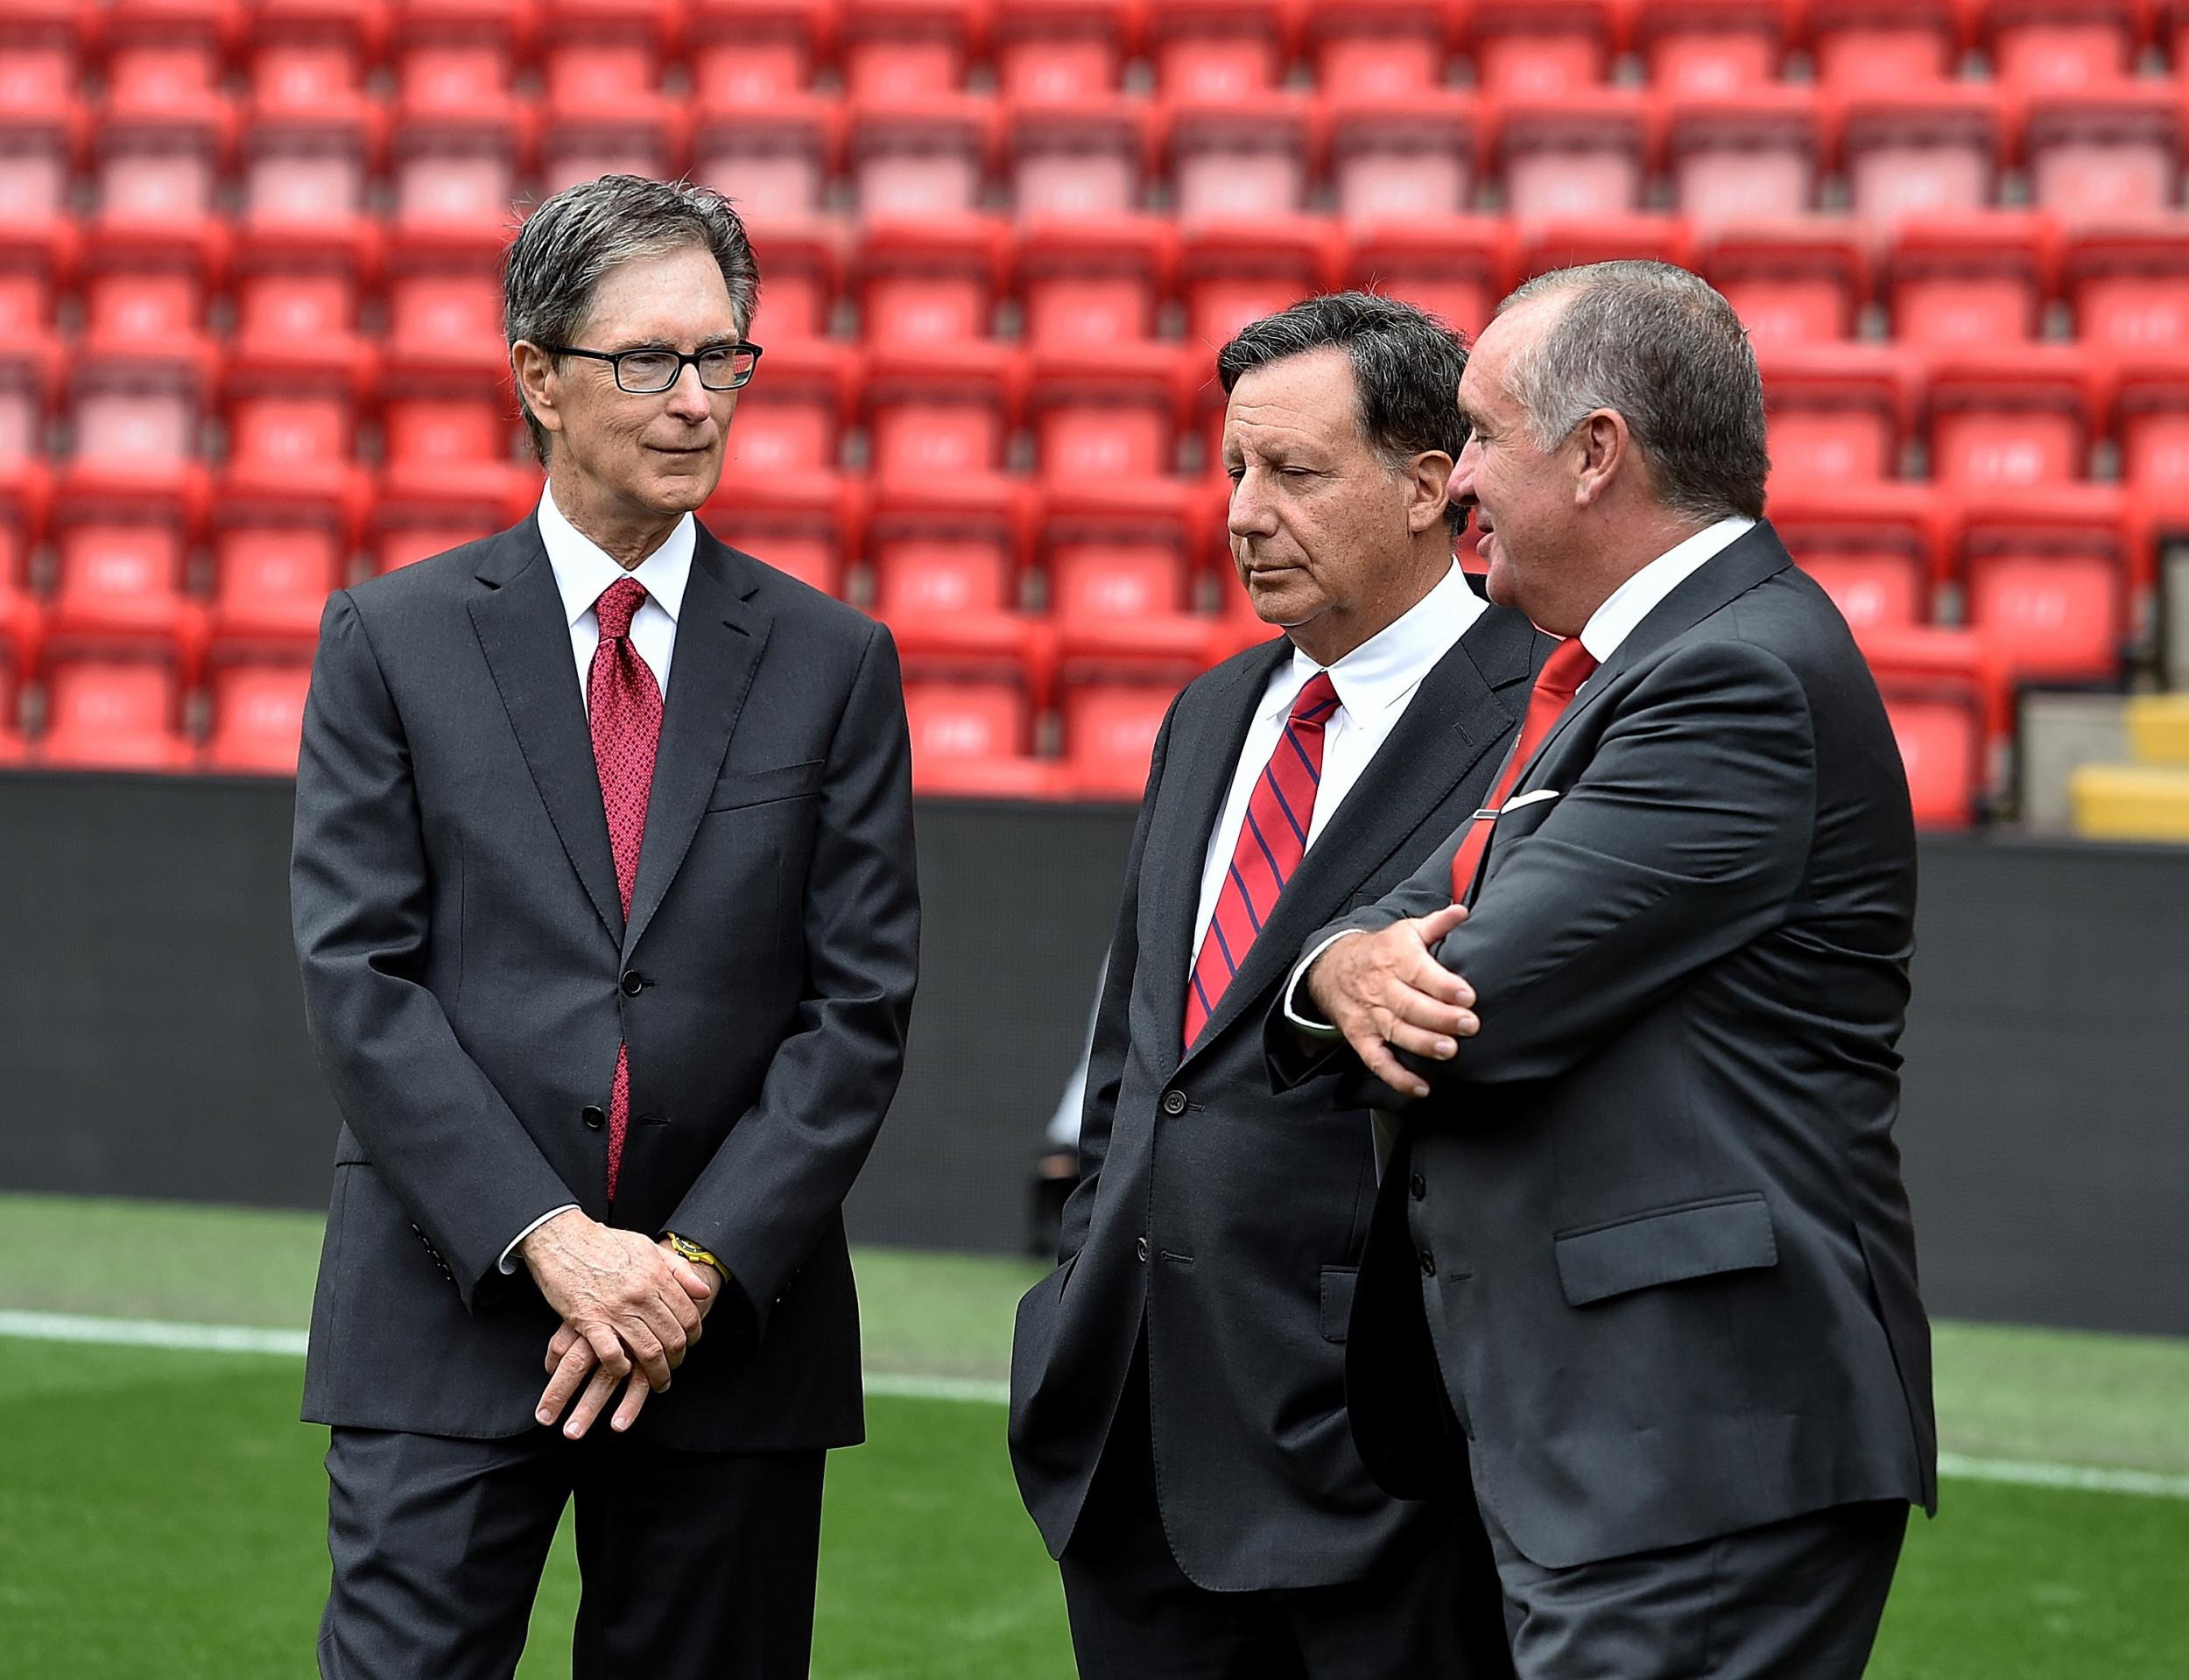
{"x":634,"y":983}
{"x":1428,"y":1264}
{"x":1418,"y":1187}
{"x":1140,"y":1249}
{"x":1174,"y":1102}
{"x":593,"y":1116}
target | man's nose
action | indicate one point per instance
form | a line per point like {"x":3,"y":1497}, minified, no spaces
{"x":688,"y":400}
{"x":1461,"y":487}
{"x":1249,"y":514}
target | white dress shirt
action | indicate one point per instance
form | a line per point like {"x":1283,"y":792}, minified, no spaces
{"x":583,"y":572}
{"x":1374,"y":683}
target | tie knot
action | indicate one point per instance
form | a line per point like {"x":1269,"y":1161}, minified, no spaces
{"x":618,"y":605}
{"x":1316,"y":700}
{"x":1567,"y":669}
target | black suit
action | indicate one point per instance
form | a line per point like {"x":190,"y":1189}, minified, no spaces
{"x":1647,"y":1237}
{"x":1227,"y":1221}
{"x":469,"y":974}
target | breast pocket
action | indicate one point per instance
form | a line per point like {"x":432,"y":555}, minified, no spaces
{"x":740,"y":790}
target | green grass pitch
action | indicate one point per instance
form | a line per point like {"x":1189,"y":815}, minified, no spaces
{"x":161,"y":1512}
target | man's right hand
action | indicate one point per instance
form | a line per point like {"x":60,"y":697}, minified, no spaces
{"x":618,"y":1290}
{"x":1387,"y":992}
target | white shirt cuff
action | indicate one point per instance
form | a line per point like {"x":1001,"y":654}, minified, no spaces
{"x":508,"y":1255}
{"x":1320,"y":1030}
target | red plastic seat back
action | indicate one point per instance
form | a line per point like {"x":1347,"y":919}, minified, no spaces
{"x":287,"y":307}
{"x":2035,"y":51}
{"x":2133,"y":312}
{"x":272,"y":579}
{"x":113,"y":710}
{"x":1870,"y":589}
{"x":118,"y":573}
{"x":1832,"y":441}
{"x":2050,"y":614}
{"x":258,"y":710}
{"x":1526,"y":51}
{"x":1942,"y":746}
{"x":1114,"y":581}
{"x":942,"y":572}
{"x":790,"y":430}
{"x":1110,"y":729}
{"x":444,"y":308}
{"x":1380,"y":63}
{"x":937,"y":433}
{"x":965,"y":716}
{"x":429,"y":426}
{"x":1943,"y":308}
{"x":2155,"y":448}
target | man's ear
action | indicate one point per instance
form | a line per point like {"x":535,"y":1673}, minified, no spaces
{"x":533,"y":369}
{"x":1428,"y":490}
{"x":1604,"y":444}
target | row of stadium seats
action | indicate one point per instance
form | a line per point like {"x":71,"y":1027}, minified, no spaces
{"x":442,"y":53}
{"x":1885,"y":153}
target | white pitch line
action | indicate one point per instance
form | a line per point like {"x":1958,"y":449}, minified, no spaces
{"x":245,"y":1338}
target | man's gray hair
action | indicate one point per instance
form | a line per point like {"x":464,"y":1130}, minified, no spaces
{"x":1406,"y":369}
{"x":1662,"y":348}
{"x":571,"y":241}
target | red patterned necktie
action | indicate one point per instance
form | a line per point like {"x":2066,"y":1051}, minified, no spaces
{"x":624,"y":707}
{"x":1562,"y":674}
{"x":1272,"y":839}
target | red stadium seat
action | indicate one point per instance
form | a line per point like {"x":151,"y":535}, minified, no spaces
{"x":158,"y":165}
{"x":792,"y":418}
{"x":603,"y":53}
{"x":37,"y":145}
{"x":1947,"y":699}
{"x":458,"y":56}
{"x":2129,"y":283}
{"x":421,"y":511}
{"x":1404,"y":157}
{"x":1913,"y":152}
{"x":1085,"y":283}
{"x":444,"y":405}
{"x":1381,"y":49}
{"x":1836,"y":411}
{"x":307,"y":168}
{"x":2011,"y":415}
{"x":30,"y":378}
{"x":1221,"y":49}
{"x":1792,"y":282}
{"x":41,"y":44}
{"x":642,"y":134}
{"x":258,"y":713}
{"x":1536,"y":49}
{"x":911,"y":49}
{"x":1064,"y":51}
{"x":293,"y":408}
{"x":757,"y":51}
{"x":38,"y":262}
{"x":148,"y":284}
{"x":1242,"y":160}
{"x":804,"y":263}
{"x":161,"y":53}
{"x":2039,"y":45}
{"x":278,"y":550}
{"x":113,"y":706}
{"x":120,"y":540}
{"x":1565,"y":242}
{"x":457,"y":169}
{"x":1455,"y":267}
{"x":2049,"y":580}
{"x":445,"y":293}
{"x":972,"y":689}
{"x":808,"y":525}
{"x":1714,"y":47}
{"x":1118,"y":553}
{"x":2107,"y":150}
{"x":948,"y":548}
{"x":1863,"y":44}
{"x":312,"y":55}
{"x":1874,"y":547}
{"x":1112,"y":709}
{"x":2150,"y":405}
{"x":773,"y":154}
{"x":1751,"y":156}
{"x":932,"y":281}
{"x":1232,"y":274}
{"x":140,"y":404}
{"x":941,"y":410}
{"x":1970,"y":279}
{"x":295,"y":289}
{"x":1082,"y":157}
{"x":1110,"y":412}
{"x":912,"y":157}
{"x":1582,"y":153}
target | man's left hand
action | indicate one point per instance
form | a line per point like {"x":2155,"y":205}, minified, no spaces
{"x":571,"y":1363}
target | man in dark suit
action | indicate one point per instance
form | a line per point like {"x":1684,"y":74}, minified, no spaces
{"x":1178,"y":1418}
{"x":1642,"y":1250}
{"x":604,"y":898}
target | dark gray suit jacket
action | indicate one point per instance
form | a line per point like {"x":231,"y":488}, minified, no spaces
{"x":1232,"y":1218}
{"x":469,"y":975}
{"x":1649,"y":1229}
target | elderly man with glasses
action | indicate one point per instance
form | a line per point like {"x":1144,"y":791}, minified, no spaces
{"x":610,"y":975}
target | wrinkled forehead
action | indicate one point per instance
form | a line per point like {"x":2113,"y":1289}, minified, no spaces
{"x":665,"y":295}
{"x":1306,"y":399}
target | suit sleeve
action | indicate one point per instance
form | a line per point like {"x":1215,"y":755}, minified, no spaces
{"x":1681,"y":840}
{"x":1113,"y":1023}
{"x":458,"y":1159}
{"x":779,"y":1179}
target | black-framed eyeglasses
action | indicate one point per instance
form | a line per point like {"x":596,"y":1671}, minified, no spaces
{"x":648,"y":373}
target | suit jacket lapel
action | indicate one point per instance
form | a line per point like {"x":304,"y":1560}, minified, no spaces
{"x":1470,"y":698}
{"x":526,"y":640}
{"x":720,"y":635}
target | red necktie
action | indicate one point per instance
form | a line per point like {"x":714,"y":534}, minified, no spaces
{"x":1563,"y":672}
{"x":1271,"y":841}
{"x":624,"y":707}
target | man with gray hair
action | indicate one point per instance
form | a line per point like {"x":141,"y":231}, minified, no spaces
{"x":1178,"y":1404}
{"x":610,"y":975}
{"x":1643,"y":1248}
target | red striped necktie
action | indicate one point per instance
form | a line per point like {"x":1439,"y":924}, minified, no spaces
{"x":623,"y":707}
{"x":1555,"y":684}
{"x":1272,"y":841}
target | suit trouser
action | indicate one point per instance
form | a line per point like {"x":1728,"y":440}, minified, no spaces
{"x":1430,"y":1614}
{"x":1793,"y":1600}
{"x":693,"y":1564}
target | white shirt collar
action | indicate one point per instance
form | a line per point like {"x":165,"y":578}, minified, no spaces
{"x":1388,"y":667}
{"x":1639,"y":597}
{"x":583,"y":571}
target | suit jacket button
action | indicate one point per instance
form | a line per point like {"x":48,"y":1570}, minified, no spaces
{"x":1140,"y":1249}
{"x":1418,"y":1187}
{"x":1428,"y":1264}
{"x":593,"y":1115}
{"x":1174,"y":1102}
{"x":633,"y":982}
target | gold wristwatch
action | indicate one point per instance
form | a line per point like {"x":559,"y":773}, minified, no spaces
{"x":697,"y":1255}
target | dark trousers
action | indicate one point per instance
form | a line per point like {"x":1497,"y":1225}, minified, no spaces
{"x":1792,"y":1600}
{"x":1432,"y":1614}
{"x":695,"y":1564}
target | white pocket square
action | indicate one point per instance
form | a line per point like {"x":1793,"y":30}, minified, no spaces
{"x":1535,"y":798}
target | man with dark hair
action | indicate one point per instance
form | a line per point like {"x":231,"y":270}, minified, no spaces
{"x":1642,"y":1250}
{"x":609,"y":974}
{"x":1177,"y":1411}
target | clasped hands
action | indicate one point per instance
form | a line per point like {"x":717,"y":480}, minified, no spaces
{"x":1386,"y":992}
{"x":631,"y":1309}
